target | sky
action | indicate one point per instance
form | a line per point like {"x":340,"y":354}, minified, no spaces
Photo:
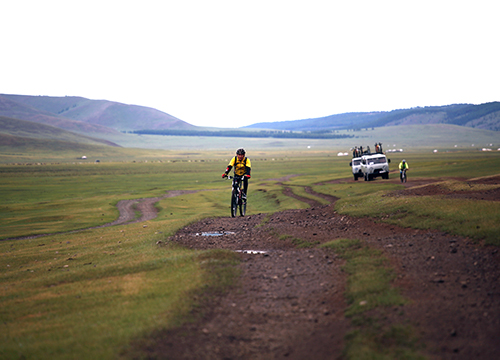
{"x":235,"y":63}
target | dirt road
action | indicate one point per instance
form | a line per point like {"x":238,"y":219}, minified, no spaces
{"x":291,"y":304}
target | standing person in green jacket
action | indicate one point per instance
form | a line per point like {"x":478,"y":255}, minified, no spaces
{"x":242,"y":167}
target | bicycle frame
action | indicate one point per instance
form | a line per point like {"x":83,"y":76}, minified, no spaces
{"x":402,"y":175}
{"x":236,"y":196}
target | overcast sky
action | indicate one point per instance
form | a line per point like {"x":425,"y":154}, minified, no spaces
{"x":234,"y":63}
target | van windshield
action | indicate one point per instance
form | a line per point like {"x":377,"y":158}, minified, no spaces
{"x":356,"y":162}
{"x":378,"y":160}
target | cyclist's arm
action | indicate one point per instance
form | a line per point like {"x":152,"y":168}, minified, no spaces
{"x":229,"y":166}
{"x":248,"y":168}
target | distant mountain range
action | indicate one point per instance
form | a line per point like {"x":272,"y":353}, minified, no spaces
{"x":99,"y":118}
{"x":87,"y":116}
{"x":484,"y":116}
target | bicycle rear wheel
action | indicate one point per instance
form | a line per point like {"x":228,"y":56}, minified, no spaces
{"x":234,"y":204}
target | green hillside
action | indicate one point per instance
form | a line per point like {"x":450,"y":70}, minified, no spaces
{"x":484,"y":116}
{"x":431,"y":136}
{"x":17,"y":110}
{"x":22,"y":129}
{"x":17,"y":149}
{"x":38,"y":146}
{"x":103,"y":113}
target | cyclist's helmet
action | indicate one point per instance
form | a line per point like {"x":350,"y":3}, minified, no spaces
{"x":240,"y":151}
{"x":404,"y":160}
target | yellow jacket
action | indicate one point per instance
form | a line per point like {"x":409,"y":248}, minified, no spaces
{"x":240,"y":167}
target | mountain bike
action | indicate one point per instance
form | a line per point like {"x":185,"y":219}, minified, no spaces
{"x":402,"y":175}
{"x":237,"y":200}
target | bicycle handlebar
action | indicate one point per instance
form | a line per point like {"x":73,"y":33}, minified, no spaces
{"x":235,"y":177}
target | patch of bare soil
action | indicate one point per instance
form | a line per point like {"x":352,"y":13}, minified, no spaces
{"x":290,"y":300}
{"x":145,"y":207}
{"x":128,"y":209}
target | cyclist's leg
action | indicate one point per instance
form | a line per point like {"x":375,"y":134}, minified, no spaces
{"x":245,"y":187}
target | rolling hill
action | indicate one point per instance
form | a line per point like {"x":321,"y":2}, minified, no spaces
{"x":102,"y":117}
{"x":16,"y":110}
{"x":33,"y":122}
{"x":484,"y":116}
{"x":26,"y":142}
{"x":87,"y":116}
{"x":16,"y":132}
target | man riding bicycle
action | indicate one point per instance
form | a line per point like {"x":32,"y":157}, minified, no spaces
{"x":242,"y":167}
{"x":403,"y":166}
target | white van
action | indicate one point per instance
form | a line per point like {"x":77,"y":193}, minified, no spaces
{"x":375,"y":165}
{"x":356,"y":167}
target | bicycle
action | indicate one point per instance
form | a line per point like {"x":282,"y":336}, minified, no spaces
{"x":237,"y":200}
{"x":402,"y":175}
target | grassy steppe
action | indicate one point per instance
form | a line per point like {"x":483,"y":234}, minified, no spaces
{"x":86,"y":294}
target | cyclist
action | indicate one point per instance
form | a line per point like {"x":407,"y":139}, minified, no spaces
{"x":242,"y":167}
{"x":403,"y":165}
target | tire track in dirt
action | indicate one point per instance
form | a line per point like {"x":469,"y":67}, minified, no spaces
{"x":289,"y":302}
{"x":127,"y":208}
{"x":144,"y":206}
{"x":287,"y":190}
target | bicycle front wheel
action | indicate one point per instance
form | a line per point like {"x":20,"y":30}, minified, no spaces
{"x":243,"y":207}
{"x":234,"y":203}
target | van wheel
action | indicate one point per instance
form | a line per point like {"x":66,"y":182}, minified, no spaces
{"x":355,"y":177}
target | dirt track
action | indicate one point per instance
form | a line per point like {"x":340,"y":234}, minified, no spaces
{"x":291,"y":305}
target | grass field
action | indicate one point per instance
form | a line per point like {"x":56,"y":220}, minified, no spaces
{"x":87,"y":294}
{"x":52,"y":145}
{"x":410,"y":138}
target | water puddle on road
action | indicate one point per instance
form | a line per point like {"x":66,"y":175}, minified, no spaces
{"x":222,"y":233}
{"x":216,"y":233}
{"x":253,"y":252}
